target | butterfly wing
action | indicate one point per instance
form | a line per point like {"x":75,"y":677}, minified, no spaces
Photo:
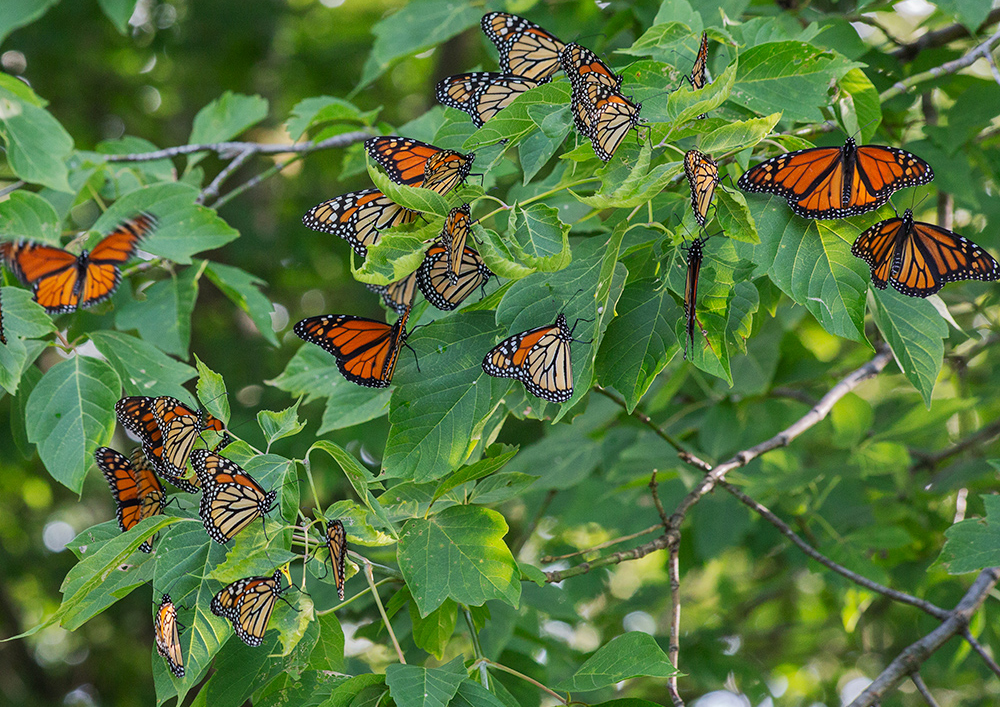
{"x":336,"y":542}
{"x":525,"y":48}
{"x":703,"y":175}
{"x":481,"y":94}
{"x":247,"y":603}
{"x":397,"y":296}
{"x":877,"y":246}
{"x":695,"y":254}
{"x":539,"y":358}
{"x":418,"y":164}
{"x":3,"y":336}
{"x":358,"y":217}
{"x":52,"y":273}
{"x":811,"y":180}
{"x":102,"y":270}
{"x":453,"y":237}
{"x":135,"y":497}
{"x":435,"y":283}
{"x":880,"y":171}
{"x":231,"y":499}
{"x":582,"y":65}
{"x":180,"y":427}
{"x":446,"y":170}
{"x":365,"y":349}
{"x":168,"y":641}
{"x":610,"y":120}
{"x":699,"y":71}
{"x":931,"y":256}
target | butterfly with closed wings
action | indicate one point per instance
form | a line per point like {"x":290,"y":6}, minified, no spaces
{"x":525,"y":49}
{"x":247,"y":603}
{"x":137,"y":492}
{"x":417,"y":164}
{"x":702,"y":174}
{"x":231,"y":499}
{"x":167,"y":636}
{"x":481,"y":94}
{"x":358,"y":217}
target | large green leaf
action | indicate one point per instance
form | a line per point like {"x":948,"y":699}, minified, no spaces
{"x":243,"y":290}
{"x":539,"y":238}
{"x":212,"y":391}
{"x":119,"y":12}
{"x":630,"y":655}
{"x":278,"y":425}
{"x":413,"y":686}
{"x":974,"y":544}
{"x":438,"y":413}
{"x":358,"y":476}
{"x":915,"y":332}
{"x":318,"y":110}
{"x":432,"y":632}
{"x":37,"y":145}
{"x":223,"y":119}
{"x":25,"y":214}
{"x":459,"y":554}
{"x":143,"y":368}
{"x":23,"y":320}
{"x":516,"y":121}
{"x":70,"y":414}
{"x":163,"y":317}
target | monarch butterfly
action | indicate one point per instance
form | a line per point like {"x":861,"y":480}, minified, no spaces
{"x":63,"y":282}
{"x":433,"y":276}
{"x":525,"y":48}
{"x":247,"y":603}
{"x":167,"y":430}
{"x":168,"y":641}
{"x":481,"y":94}
{"x":136,"y":490}
{"x":358,"y":217}
{"x":398,"y":295}
{"x":699,"y":73}
{"x":336,"y":541}
{"x":609,"y":117}
{"x":3,"y":337}
{"x":231,"y":499}
{"x":539,"y":358}
{"x":695,"y":254}
{"x":453,"y":237}
{"x":836,"y":182}
{"x":417,"y":164}
{"x":919,"y":258}
{"x":583,"y":66}
{"x":703,"y":175}
{"x":366,"y":350}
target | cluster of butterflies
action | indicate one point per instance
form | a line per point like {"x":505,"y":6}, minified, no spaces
{"x":231,"y":500}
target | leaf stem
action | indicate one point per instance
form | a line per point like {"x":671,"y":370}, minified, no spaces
{"x":381,"y":610}
{"x":477,"y":649}
{"x":360,"y":594}
{"x":540,"y":686}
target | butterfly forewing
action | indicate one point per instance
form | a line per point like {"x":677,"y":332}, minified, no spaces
{"x":165,"y":631}
{"x":247,"y":603}
{"x":418,"y":164}
{"x":231,"y":499}
{"x":336,"y":542}
{"x":397,"y":296}
{"x":539,"y":358}
{"x":525,"y":48}
{"x":481,"y":94}
{"x":358,"y":217}
{"x":137,"y":492}
{"x":433,"y":277}
{"x":703,"y":175}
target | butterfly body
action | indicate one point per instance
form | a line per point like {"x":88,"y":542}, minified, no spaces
{"x":247,"y":603}
{"x":539,"y":358}
{"x":63,"y":282}
{"x":695,"y":254}
{"x":167,"y":636}
{"x":137,"y":492}
{"x":231,"y":499}
{"x":525,"y":49}
{"x":358,"y":217}
{"x":336,"y":542}
{"x":703,"y":176}
{"x":481,"y":94}
{"x":919,"y":258}
{"x":417,"y":164}
{"x":836,"y":182}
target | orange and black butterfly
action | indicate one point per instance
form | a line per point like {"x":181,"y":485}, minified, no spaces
{"x":366,"y":350}
{"x":136,"y":490}
{"x":539,"y":358}
{"x":525,"y":48}
{"x":64,"y":282}
{"x":336,"y":542}
{"x":168,"y":641}
{"x":397,"y":295}
{"x":434,"y":276}
{"x":695,"y":254}
{"x":836,"y":182}
{"x":417,"y":164}
{"x":703,"y":175}
{"x":358,"y":217}
{"x":583,"y":66}
{"x":605,"y":116}
{"x":167,"y":430}
{"x":247,"y":603}
{"x":231,"y":499}
{"x":918,"y":258}
{"x":481,"y":94}
{"x":3,"y":337}
{"x":699,"y":72}
{"x":453,"y":237}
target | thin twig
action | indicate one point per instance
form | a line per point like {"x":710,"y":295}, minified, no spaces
{"x":674,"y":649}
{"x":949,"y":67}
{"x":546,"y":559}
{"x":786,"y":530}
{"x":635,"y":553}
{"x":654,"y":491}
{"x":212,"y":190}
{"x":12,"y":187}
{"x":251,"y":183}
{"x":981,"y":650}
{"x":916,"y":653}
{"x":981,"y":436}
{"x":341,"y":605}
{"x":940,"y":37}
{"x":381,"y":610}
{"x":226,"y":149}
{"x":524,"y":677}
{"x":922,"y":689}
{"x":477,"y":648}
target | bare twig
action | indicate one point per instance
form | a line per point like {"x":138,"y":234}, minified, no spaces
{"x":524,"y":677}
{"x":641,"y":417}
{"x":907,"y":662}
{"x":940,"y":37}
{"x":922,"y":689}
{"x":251,"y":183}
{"x":981,"y":650}
{"x":233,"y":149}
{"x":12,"y":187}
{"x":981,"y":436}
{"x":654,"y":491}
{"x":608,"y":543}
{"x":674,"y":649}
{"x":786,"y":530}
{"x":949,"y":67}
{"x":212,"y":190}
{"x":635,"y":553}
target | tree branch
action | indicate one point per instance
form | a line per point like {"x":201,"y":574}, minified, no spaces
{"x":907,"y":662}
{"x":674,"y":649}
{"x":641,"y":417}
{"x":949,"y":67}
{"x":922,"y":689}
{"x":233,"y":149}
{"x":981,"y":436}
{"x":940,"y":37}
{"x":981,"y":650}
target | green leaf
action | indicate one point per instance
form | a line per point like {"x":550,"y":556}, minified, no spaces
{"x":687,"y":103}
{"x":212,"y":391}
{"x":70,"y":414}
{"x":432,"y":632}
{"x":539,"y":238}
{"x":119,"y":12}
{"x":974,"y":544}
{"x":278,"y":425}
{"x":734,"y":216}
{"x":501,"y":487}
{"x":739,"y":135}
{"x":416,"y":198}
{"x":517,"y":120}
{"x":629,"y":655}
{"x":413,"y":686}
{"x":398,"y":253}
{"x":791,"y":78}
{"x":538,"y":147}
{"x":496,"y":253}
{"x":224,"y":118}
{"x":915,"y":332}
{"x":242,"y":290}
{"x":418,"y":26}
{"x":660,"y":41}
{"x":639,"y":341}
{"x":25,"y":214}
{"x":970,"y":13}
{"x":183,"y":227}
{"x":626,"y":185}
{"x":438,"y":414}
{"x":19,"y":13}
{"x":358,"y":476}
{"x":163,"y":317}
{"x":23,"y":320}
{"x":37,"y":145}
{"x":319,"y":110}
{"x":473,"y":472}
{"x":472,"y":694}
{"x":329,"y":651}
{"x":861,"y":107}
{"x":143,"y":368}
{"x":459,"y":554}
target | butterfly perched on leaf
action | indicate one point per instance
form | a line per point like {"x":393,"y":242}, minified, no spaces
{"x":366,"y":350}
{"x":837,"y":182}
{"x":358,"y":217}
{"x":695,"y":255}
{"x":3,"y":336}
{"x":539,"y":358}
{"x":919,"y":258}
{"x":336,"y":542}
{"x":603,"y":115}
{"x":435,"y":281}
{"x":525,"y":48}
{"x":247,"y":603}
{"x":63,"y":282}
{"x":231,"y":499}
{"x":417,"y":164}
{"x":583,"y":66}
{"x":703,"y":175}
{"x":398,"y":295}
{"x":137,"y":492}
{"x":167,"y":636}
{"x":698,"y":78}
{"x":481,"y":94}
